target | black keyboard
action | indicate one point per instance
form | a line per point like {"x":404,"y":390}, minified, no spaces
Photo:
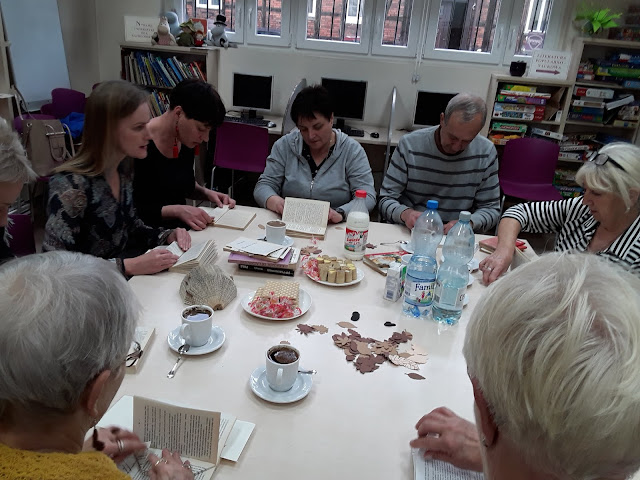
{"x":354,"y":132}
{"x":259,"y":122}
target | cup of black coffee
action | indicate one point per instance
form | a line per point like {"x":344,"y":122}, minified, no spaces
{"x":196,"y":324}
{"x":282,"y":367}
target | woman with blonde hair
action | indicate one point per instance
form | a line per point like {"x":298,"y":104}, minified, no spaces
{"x":91,"y":206}
{"x":604,"y":221}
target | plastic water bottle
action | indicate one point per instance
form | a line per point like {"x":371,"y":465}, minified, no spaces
{"x":453,"y":275}
{"x":421,"y":271}
{"x":355,"y":238}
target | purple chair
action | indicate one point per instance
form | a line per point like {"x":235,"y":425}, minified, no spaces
{"x":21,"y":230}
{"x":63,"y":102}
{"x":527,"y":168}
{"x":240,"y":147}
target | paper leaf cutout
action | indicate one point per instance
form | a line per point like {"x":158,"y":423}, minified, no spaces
{"x":350,"y":358}
{"x":404,"y":354}
{"x":341,"y":340}
{"x":321,"y":329}
{"x":371,"y":245}
{"x":363,"y":348}
{"x":404,"y":362}
{"x":310,"y":250}
{"x":354,"y":333}
{"x":305,"y":329}
{"x":346,"y":325}
{"x":284,"y":342}
{"x":261,"y":226}
{"x":355,"y":316}
{"x":415,"y":376}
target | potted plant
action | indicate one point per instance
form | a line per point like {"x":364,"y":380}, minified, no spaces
{"x":594,"y":21}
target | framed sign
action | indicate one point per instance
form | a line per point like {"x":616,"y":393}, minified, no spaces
{"x":140,"y":29}
{"x":550,"y":64}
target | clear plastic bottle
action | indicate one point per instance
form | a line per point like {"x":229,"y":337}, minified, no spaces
{"x":453,"y":275}
{"x":422,"y":268}
{"x":355,"y":238}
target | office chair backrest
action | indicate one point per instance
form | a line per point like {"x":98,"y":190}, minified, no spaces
{"x":241,"y":147}
{"x":527,"y":168}
{"x":64,"y":101}
{"x":21,"y":229}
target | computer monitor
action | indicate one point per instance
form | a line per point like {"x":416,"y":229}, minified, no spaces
{"x":348,"y":99}
{"x":252,"y":92}
{"x":429,"y":106}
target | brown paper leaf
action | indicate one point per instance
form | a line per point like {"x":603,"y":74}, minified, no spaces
{"x":363,"y":348}
{"x":346,"y":325}
{"x":321,"y":329}
{"x":415,"y":376}
{"x":350,"y":358}
{"x":341,"y":340}
{"x":404,"y":354}
{"x":305,"y":329}
{"x":284,"y":342}
{"x":261,"y":226}
{"x":371,"y":245}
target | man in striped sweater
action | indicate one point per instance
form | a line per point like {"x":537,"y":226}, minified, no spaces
{"x":449,"y":163}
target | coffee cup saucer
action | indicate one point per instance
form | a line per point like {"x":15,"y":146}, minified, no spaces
{"x":215,"y":341}
{"x":260,"y":386}
{"x":288,"y":241}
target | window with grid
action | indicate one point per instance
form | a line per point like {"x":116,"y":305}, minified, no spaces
{"x":269,"y":17}
{"x":210,"y":8}
{"x":397,"y":22}
{"x":533,"y":26}
{"x":337,"y":20}
{"x":467,"y":25}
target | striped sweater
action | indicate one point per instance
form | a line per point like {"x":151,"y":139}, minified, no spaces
{"x":418,"y":172}
{"x":575,"y":227}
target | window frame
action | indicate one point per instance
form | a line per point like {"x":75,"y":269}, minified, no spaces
{"x":238,"y":35}
{"x":304,"y":43}
{"x":417,"y":13}
{"x":254,"y":38}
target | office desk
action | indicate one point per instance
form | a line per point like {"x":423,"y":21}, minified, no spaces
{"x":351,"y":425}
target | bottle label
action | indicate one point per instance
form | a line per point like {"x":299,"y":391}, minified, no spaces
{"x":355,"y":240}
{"x":449,"y":297}
{"x":418,"y":292}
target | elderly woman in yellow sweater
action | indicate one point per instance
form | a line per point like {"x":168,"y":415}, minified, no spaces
{"x":66,"y":324}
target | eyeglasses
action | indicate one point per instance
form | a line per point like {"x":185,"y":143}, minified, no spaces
{"x":602,"y":158}
{"x":133,"y":357}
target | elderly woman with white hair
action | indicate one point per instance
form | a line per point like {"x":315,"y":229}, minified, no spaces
{"x":604,"y":221}
{"x":15,"y":171}
{"x":553,"y":354}
{"x":66,"y":324}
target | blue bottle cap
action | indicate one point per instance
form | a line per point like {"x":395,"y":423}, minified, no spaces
{"x":465,"y":216}
{"x":432,"y":204}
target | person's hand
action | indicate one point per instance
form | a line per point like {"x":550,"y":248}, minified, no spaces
{"x":275,"y":203}
{"x":153,"y":261}
{"x":169,"y":467}
{"x":495,"y":265}
{"x":182,"y":237}
{"x":445,"y":436}
{"x":334,"y":217}
{"x":117,"y":443}
{"x":409,"y":217}
{"x":447,"y":226}
{"x":220,"y":199}
{"x":194,"y":217}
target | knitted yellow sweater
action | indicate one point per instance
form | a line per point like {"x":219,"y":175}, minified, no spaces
{"x":24,"y":464}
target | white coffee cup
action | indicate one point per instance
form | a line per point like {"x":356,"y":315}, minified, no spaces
{"x":282,"y":376}
{"x":196,"y":327}
{"x":275,"y":231}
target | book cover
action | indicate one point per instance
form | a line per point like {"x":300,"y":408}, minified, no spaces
{"x":380,"y":261}
{"x":593,"y":92}
{"x":290,"y":260}
{"x":261,"y":269}
{"x":520,"y":99}
{"x":547,"y":133}
{"x":510,"y":107}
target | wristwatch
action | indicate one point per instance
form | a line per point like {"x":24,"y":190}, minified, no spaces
{"x":341,"y":212}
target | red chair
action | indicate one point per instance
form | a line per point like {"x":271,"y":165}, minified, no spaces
{"x":527,"y":168}
{"x":240,"y":147}
{"x":21,"y":241}
{"x":63,"y":102}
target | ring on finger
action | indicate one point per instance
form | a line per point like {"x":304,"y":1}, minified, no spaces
{"x":186,"y":465}
{"x":120,"y":444}
{"x":160,"y":460}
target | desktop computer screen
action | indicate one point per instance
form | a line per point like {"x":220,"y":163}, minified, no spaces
{"x":429,"y":106}
{"x":348,"y":99}
{"x":252,"y":92}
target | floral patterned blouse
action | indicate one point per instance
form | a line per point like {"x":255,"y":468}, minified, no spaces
{"x":85,"y":217}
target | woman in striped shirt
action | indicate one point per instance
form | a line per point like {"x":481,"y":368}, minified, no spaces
{"x":604,"y":221}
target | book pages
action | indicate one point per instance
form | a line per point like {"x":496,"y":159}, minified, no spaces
{"x":438,"y":470}
{"x":230,"y":217}
{"x":305,"y":217}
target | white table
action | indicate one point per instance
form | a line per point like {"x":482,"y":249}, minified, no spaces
{"x":350,"y":425}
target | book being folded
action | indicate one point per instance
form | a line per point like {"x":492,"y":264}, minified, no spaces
{"x":226,"y":217}
{"x":199,"y":254}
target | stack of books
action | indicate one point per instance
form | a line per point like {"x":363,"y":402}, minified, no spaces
{"x":589,"y":104}
{"x":259,"y":256}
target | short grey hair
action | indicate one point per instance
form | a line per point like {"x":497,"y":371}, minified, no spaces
{"x":64,"y":318}
{"x":609,"y":178}
{"x":468,"y":105}
{"x":555,"y":349}
{"x":15,"y":167}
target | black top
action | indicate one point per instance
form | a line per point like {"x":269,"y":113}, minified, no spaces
{"x":160,"y":181}
{"x":306,"y":153}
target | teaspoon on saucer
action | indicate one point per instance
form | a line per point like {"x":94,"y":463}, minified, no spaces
{"x":310,"y":372}
{"x":401,"y":242}
{"x":184,"y":348}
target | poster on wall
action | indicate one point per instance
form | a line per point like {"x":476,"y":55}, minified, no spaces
{"x":139,"y":29}
{"x":550,"y":64}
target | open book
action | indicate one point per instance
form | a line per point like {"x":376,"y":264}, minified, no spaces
{"x":439,"y":470}
{"x":226,"y":217}
{"x":305,"y":218}
{"x":190,"y":431}
{"x":198,"y":254}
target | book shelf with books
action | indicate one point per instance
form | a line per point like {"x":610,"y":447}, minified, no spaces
{"x":159,"y":68}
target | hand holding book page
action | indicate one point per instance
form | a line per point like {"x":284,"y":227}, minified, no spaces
{"x":305,"y":217}
{"x":438,"y":470}
{"x":235,"y":218}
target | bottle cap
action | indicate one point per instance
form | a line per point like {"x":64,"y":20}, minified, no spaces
{"x":432,"y":204}
{"x":361,"y":193}
{"x":465,"y":216}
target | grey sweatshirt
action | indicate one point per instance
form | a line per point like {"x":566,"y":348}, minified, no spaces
{"x":287,"y":173}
